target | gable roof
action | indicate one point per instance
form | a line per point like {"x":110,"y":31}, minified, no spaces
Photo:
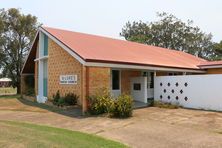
{"x":92,"y":48}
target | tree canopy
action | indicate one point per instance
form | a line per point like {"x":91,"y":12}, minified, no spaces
{"x":217,"y":48}
{"x":170,"y":32}
{"x":17,"y":32}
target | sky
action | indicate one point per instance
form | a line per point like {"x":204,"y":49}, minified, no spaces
{"x":106,"y":18}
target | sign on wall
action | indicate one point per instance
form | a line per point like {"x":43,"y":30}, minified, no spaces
{"x":68,"y":79}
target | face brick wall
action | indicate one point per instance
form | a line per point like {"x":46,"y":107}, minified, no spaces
{"x":214,"y":71}
{"x":36,"y":70}
{"x":161,"y":73}
{"x":97,"y":78}
{"x":62,"y":63}
{"x":36,"y":77}
{"x":125,"y":79}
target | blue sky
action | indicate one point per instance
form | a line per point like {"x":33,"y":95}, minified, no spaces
{"x":103,"y":17}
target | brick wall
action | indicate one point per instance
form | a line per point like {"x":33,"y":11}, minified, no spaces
{"x":125,"y":79}
{"x":97,"y":78}
{"x":36,"y":70}
{"x":161,"y":73}
{"x":214,"y":71}
{"x":62,"y":63}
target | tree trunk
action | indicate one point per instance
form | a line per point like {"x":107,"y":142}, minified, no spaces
{"x":18,"y":84}
{"x":18,"y":88}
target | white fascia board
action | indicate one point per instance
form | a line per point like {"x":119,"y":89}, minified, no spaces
{"x":77,"y":57}
{"x":126,"y":66}
{"x":210,"y":66}
{"x":42,"y":58}
{"x":30,"y":50}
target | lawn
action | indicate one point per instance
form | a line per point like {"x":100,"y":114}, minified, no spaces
{"x":7,"y":91}
{"x":18,"y":134}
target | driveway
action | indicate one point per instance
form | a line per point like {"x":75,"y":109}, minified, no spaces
{"x":149,"y":127}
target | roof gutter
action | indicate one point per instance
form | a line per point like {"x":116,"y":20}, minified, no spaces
{"x":142,"y":67}
{"x":210,"y":66}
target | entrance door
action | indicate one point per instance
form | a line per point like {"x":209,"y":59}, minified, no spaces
{"x":150,"y":85}
{"x":116,"y":91}
{"x":139,"y":89}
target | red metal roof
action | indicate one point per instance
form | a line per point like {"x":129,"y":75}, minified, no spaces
{"x":102,"y":49}
{"x":210,"y":63}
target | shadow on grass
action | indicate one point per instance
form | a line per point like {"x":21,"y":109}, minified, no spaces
{"x":74,"y":112}
{"x":10,"y":96}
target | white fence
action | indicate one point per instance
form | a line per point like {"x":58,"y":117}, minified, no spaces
{"x":191,"y":91}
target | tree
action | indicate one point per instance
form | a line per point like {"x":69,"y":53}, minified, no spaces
{"x":217,"y":49}
{"x":170,"y":32}
{"x":17,"y":32}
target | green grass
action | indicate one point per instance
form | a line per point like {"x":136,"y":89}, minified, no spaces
{"x":18,"y":134}
{"x":10,"y":96}
{"x":8,"y":90}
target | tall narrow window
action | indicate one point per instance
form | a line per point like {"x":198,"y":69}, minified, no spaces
{"x":115,"y":79}
{"x":45,"y":45}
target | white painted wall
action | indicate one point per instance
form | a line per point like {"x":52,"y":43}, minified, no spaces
{"x":203,"y":91}
{"x":139,"y":95}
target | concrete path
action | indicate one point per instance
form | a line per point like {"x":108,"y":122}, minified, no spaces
{"x":149,"y":127}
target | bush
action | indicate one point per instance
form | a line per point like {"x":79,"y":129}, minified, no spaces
{"x":56,"y":98}
{"x":61,"y":102}
{"x":165,"y":105}
{"x":103,"y":102}
{"x":71,"y":99}
{"x":99,"y":103}
{"x":121,"y":107}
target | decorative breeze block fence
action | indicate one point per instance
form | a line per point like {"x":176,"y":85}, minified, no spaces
{"x":191,"y":91}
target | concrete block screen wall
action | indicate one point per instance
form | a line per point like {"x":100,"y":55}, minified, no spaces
{"x":193,"y":91}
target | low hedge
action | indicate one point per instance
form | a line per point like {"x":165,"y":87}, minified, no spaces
{"x":120,"y":107}
{"x":68,"y":100}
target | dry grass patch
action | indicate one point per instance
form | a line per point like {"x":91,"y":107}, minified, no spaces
{"x":16,"y":105}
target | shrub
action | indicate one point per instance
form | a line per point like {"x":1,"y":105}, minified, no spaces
{"x":99,"y":103}
{"x":121,"y":107}
{"x":165,"y":105}
{"x":61,"y":102}
{"x":103,"y":102}
{"x":71,"y":99}
{"x":56,"y":98}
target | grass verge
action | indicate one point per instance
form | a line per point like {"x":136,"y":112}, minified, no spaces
{"x":19,"y":134}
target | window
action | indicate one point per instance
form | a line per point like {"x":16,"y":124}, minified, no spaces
{"x":115,"y":79}
{"x":136,"y":86}
{"x":45,"y":45}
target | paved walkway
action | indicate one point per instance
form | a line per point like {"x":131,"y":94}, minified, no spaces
{"x":149,"y":127}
